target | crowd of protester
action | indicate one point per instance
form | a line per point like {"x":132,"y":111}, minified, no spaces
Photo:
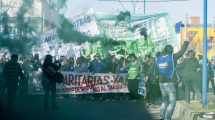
{"x":133,"y":67}
{"x":110,"y":64}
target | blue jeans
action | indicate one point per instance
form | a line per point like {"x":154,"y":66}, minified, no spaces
{"x":168,"y":100}
{"x":195,"y":86}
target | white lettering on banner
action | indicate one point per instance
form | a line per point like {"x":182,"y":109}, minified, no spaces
{"x":85,"y":23}
{"x":76,"y":83}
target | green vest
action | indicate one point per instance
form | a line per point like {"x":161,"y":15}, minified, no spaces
{"x":133,"y":71}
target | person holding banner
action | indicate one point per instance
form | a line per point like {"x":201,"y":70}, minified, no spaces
{"x":97,"y":66}
{"x":49,"y":83}
{"x":133,"y":76}
{"x":120,"y":70}
{"x":82,"y":66}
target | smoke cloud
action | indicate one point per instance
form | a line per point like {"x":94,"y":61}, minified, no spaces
{"x":123,"y":16}
{"x":67,"y":33}
{"x":24,"y":39}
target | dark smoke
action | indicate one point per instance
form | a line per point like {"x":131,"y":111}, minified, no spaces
{"x":26,"y":5}
{"x":22,"y":23}
{"x":24,"y":39}
{"x":21,"y":45}
{"x":67,"y":33}
{"x":5,"y":21}
{"x":132,"y":29}
{"x":122,"y":17}
{"x":107,"y":43}
{"x":59,"y":4}
{"x":143,"y":32}
{"x":16,"y":45}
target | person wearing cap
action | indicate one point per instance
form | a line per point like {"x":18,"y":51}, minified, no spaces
{"x":164,"y":65}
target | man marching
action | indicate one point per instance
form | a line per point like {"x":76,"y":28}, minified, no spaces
{"x":164,"y":65}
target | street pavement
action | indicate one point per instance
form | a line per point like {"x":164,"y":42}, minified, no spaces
{"x":73,"y":108}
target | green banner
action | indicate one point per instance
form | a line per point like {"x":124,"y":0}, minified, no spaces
{"x":159,"y":27}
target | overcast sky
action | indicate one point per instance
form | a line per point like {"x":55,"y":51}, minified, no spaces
{"x":177,"y":10}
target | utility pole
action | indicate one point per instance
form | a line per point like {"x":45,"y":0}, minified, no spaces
{"x":134,"y":6}
{"x":144,"y":7}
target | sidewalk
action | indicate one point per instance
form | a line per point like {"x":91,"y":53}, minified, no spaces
{"x":192,"y":111}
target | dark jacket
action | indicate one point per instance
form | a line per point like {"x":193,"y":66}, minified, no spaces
{"x":110,"y":66}
{"x":82,"y":68}
{"x":176,"y":56}
{"x":188,"y":69}
{"x":48,"y":72}
{"x":97,"y":67}
{"x":210,"y":70}
{"x":36,"y":65}
{"x":12,"y":71}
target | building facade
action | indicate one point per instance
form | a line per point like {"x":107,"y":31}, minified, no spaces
{"x":39,"y":13}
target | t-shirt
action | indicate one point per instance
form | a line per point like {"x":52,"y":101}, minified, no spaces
{"x":133,"y":71}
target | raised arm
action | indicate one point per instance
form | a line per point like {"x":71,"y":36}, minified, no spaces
{"x":188,"y":40}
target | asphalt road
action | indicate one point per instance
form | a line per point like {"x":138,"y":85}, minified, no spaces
{"x":81,"y":109}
